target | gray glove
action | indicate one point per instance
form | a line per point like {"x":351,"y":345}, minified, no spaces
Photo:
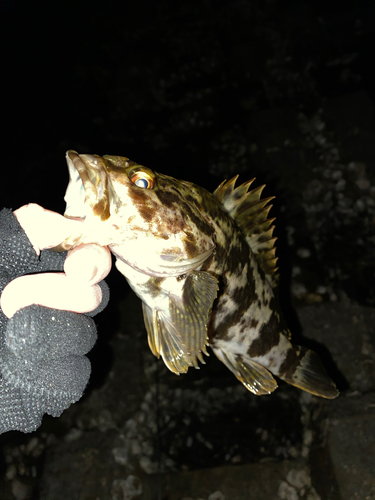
{"x":43,"y":367}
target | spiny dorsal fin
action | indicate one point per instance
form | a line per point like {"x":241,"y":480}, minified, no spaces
{"x":250,"y":212}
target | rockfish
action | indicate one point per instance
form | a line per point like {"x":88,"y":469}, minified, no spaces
{"x":203,"y":265}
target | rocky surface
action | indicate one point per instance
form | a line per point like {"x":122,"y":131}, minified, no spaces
{"x":205,"y":90}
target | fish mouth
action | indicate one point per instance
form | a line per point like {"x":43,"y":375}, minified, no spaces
{"x":87,"y":191}
{"x":87,"y":201}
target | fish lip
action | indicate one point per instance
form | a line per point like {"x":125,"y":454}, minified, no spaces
{"x":87,"y":191}
{"x":75,"y":191}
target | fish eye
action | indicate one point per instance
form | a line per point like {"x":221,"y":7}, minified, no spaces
{"x":142,"y":183}
{"x":142,"y":179}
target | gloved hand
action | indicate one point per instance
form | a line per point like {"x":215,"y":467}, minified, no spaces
{"x":44,"y":334}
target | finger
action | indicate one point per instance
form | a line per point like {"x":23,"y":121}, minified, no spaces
{"x":88,"y":263}
{"x":54,"y":290}
{"x":44,"y":228}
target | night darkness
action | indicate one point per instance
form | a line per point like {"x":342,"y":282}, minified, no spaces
{"x":282,"y":91}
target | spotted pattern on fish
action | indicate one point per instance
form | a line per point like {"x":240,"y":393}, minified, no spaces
{"x":203,"y":265}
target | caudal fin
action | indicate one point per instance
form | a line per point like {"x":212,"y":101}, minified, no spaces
{"x":304,"y":369}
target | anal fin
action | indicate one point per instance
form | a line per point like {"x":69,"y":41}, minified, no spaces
{"x":254,"y":376}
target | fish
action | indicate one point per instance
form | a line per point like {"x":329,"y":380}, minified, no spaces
{"x":203,"y":264}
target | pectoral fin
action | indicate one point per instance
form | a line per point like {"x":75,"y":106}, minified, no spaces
{"x":164,"y":340}
{"x":180,"y":334}
{"x":254,"y":376}
{"x":191,"y":315}
{"x":150,"y":317}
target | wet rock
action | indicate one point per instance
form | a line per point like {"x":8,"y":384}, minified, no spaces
{"x":345,"y":336}
{"x":244,"y":482}
{"x":351,"y":443}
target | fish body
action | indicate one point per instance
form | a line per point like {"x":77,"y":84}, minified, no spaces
{"x":203,"y":265}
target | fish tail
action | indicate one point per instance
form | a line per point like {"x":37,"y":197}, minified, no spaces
{"x":304,"y":369}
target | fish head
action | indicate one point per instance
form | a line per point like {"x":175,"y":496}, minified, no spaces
{"x":150,"y":221}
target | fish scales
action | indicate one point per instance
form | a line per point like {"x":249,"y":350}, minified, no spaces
{"x":203,"y":265}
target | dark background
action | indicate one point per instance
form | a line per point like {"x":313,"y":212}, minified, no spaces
{"x":201,"y":91}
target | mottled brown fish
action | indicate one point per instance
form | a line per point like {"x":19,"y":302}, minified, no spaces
{"x":203,"y":265}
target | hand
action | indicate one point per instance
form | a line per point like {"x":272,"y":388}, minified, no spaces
{"x":44,"y":342}
{"x":76,"y":289}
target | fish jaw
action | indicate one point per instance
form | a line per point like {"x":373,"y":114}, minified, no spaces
{"x":157,"y":265}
